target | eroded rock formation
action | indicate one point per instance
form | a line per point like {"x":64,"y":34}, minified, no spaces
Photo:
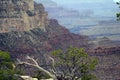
{"x":26,"y":30}
{"x":108,"y":67}
{"x":21,"y":15}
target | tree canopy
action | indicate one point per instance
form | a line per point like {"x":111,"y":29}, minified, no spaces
{"x":74,"y":64}
{"x":6,"y":66}
{"x":118,"y":14}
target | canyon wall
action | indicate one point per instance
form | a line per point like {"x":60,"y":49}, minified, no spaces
{"x":21,"y":15}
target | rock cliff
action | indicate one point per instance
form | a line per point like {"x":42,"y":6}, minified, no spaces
{"x":108,"y":67}
{"x":21,"y":15}
{"x":26,"y":30}
{"x":39,"y":43}
{"x":36,"y":42}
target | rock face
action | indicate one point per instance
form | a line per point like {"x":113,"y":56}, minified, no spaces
{"x":108,"y":67}
{"x":37,"y":43}
{"x":55,"y":37}
{"x":108,"y":54}
{"x":21,"y":15}
{"x":26,"y":30}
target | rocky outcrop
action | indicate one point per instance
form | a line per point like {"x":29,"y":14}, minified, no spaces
{"x":37,"y":42}
{"x":61,"y":38}
{"x":21,"y":15}
{"x":108,"y":67}
{"x":26,"y":30}
{"x":105,"y":50}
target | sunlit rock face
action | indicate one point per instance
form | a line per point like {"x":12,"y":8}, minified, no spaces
{"x":21,"y":15}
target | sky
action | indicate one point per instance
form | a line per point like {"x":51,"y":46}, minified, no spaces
{"x":99,"y":7}
{"x":116,"y":0}
{"x":79,"y":1}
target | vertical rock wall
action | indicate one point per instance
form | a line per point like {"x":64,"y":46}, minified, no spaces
{"x":21,"y":15}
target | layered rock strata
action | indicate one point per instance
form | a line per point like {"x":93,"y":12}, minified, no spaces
{"x":21,"y":15}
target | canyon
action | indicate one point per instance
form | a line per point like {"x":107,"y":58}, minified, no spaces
{"x":25,"y":29}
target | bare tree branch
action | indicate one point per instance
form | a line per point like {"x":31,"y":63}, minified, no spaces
{"x":53,"y":61}
{"x":35,"y":64}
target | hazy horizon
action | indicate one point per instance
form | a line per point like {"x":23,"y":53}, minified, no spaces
{"x":91,"y":16}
